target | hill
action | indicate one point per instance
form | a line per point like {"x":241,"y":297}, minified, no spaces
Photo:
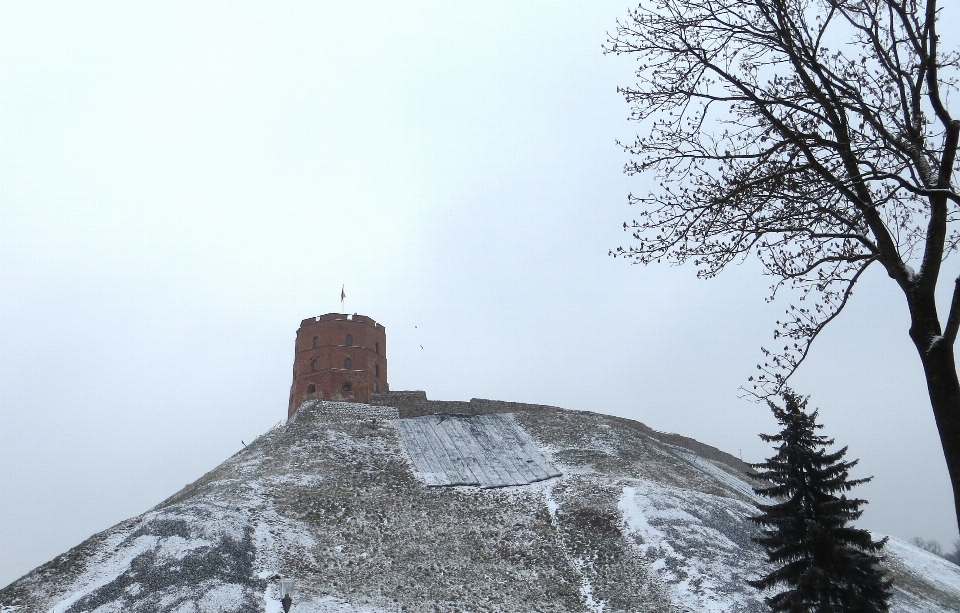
{"x":366,"y":508}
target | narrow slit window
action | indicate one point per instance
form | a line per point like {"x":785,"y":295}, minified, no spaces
{"x":376,"y":371}
{"x":313,"y":365}
{"x":316,"y":342}
{"x":347,"y":363}
{"x":378,"y":348}
{"x":349,"y":340}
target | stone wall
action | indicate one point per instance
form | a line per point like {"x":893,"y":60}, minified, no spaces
{"x":346,"y":410}
{"x":702,"y":449}
{"x":415,"y":404}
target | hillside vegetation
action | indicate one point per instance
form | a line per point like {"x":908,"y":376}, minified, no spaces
{"x":637,"y":521}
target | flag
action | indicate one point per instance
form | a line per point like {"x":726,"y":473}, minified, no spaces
{"x":343,"y":295}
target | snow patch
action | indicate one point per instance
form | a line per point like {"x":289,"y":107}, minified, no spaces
{"x":703,"y":556}
{"x":223,"y":598}
{"x":923,"y":565}
{"x":177,"y":547}
{"x":106,"y":571}
{"x":739,"y":485}
{"x":586,"y":587}
{"x":586,"y":590}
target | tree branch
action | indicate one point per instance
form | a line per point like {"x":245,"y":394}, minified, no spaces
{"x":953,"y":319}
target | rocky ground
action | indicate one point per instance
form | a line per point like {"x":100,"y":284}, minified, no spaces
{"x":638,"y":521}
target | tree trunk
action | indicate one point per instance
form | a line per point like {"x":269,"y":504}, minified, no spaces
{"x":940,"y":369}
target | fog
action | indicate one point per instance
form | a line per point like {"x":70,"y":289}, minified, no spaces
{"x":182,"y":183}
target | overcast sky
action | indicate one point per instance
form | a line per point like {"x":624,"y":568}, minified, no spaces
{"x":182,"y":183}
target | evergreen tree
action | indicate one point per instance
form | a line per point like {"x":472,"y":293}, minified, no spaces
{"x":826,"y":565}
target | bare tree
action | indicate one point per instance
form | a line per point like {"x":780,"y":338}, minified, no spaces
{"x":932,"y":546}
{"x":816,"y":135}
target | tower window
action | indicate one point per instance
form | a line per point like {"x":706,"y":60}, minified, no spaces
{"x":349,"y":340}
{"x":311,"y":388}
{"x":313,"y":365}
{"x":376,"y":386}
{"x":376,"y":370}
{"x":316,"y":342}
{"x":378,"y":348}
{"x":347,"y":363}
{"x":346,"y":386}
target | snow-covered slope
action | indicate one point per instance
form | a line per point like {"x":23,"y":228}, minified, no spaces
{"x":332,"y":499}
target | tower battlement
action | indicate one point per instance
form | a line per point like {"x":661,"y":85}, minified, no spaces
{"x":338,"y":357}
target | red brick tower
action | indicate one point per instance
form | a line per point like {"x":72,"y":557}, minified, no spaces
{"x":338,"y":357}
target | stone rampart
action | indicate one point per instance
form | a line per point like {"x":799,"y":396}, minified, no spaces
{"x":701,"y":449}
{"x":400,"y":404}
{"x":416,"y":404}
{"x":346,"y":410}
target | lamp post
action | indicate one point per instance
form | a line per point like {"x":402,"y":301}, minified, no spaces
{"x":286,"y":594}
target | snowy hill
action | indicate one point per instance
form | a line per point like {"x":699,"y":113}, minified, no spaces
{"x":361,"y":508}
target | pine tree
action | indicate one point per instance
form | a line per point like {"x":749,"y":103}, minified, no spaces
{"x":826,"y":565}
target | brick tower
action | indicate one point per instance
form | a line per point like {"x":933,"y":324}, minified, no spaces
{"x":338,"y":357}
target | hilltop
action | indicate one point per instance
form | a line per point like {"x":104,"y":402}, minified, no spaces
{"x":571,"y":511}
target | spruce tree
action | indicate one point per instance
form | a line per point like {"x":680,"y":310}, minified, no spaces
{"x":825,"y":564}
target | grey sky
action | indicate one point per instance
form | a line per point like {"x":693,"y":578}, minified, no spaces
{"x":182,"y":183}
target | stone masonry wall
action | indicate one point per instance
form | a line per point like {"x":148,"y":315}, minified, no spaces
{"x":346,"y":410}
{"x":415,"y":404}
